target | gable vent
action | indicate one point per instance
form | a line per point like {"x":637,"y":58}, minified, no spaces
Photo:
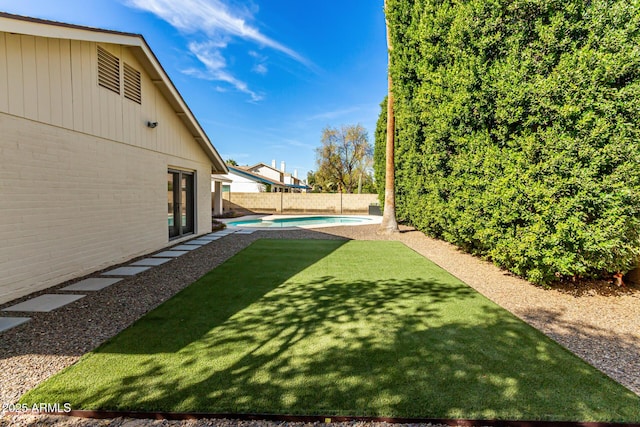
{"x":108,"y":70}
{"x":132,"y":84}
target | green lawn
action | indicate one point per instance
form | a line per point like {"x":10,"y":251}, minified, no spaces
{"x":337,"y":328}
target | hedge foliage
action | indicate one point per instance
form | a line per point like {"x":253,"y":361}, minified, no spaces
{"x":379,"y":151}
{"x":518,"y":125}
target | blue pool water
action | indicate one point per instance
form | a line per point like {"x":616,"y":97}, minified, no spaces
{"x":301,"y":221}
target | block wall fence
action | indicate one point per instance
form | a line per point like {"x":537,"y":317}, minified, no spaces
{"x":297,"y":203}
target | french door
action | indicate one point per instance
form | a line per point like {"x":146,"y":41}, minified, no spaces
{"x":180,"y":199}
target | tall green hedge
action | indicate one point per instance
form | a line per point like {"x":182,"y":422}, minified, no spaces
{"x":379,"y":150}
{"x":518,"y":125}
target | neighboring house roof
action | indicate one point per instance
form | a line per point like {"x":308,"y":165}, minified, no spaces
{"x":259,"y":178}
{"x":286,"y":174}
{"x":242,"y":170}
{"x":260,"y":165}
{"x":139,"y":48}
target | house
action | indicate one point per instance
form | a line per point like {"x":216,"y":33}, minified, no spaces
{"x":291,"y":181}
{"x":262,"y":178}
{"x":269,"y":171}
{"x":243,"y":180}
{"x":101,"y":158}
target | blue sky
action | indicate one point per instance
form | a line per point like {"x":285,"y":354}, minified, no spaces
{"x":263,"y":77}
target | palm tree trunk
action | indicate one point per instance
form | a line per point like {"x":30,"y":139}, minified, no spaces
{"x":389,"y":223}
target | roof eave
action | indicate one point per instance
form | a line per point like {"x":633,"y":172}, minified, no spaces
{"x":255,"y":177}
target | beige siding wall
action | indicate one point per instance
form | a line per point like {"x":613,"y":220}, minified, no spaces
{"x":54,"y":81}
{"x":301,"y":202}
{"x":84,"y":181}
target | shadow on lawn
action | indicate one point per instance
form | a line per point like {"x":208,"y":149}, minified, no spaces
{"x":413,"y":348}
{"x":218,"y":295}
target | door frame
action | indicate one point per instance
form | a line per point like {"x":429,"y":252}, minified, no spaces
{"x":178,"y":229}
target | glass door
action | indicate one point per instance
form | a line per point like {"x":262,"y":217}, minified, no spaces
{"x":186,"y":203}
{"x":180,"y":203}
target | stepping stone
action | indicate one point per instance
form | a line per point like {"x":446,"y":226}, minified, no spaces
{"x":125,"y":271}
{"x":152,"y":261}
{"x":10,"y":322}
{"x":185,"y":247}
{"x":199,"y":242}
{"x":169,"y":254}
{"x":91,"y":284}
{"x":45,"y":303}
{"x":210,"y":237}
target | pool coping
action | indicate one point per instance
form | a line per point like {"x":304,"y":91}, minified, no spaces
{"x":375,"y":219}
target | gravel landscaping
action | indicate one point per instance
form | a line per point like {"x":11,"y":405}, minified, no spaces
{"x":599,"y":324}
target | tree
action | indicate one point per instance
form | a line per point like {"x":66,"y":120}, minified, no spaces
{"x":344,"y":158}
{"x":367,"y":183}
{"x":312,"y":182}
{"x":389,"y":223}
{"x":232,"y":162}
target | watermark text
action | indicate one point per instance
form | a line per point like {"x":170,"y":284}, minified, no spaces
{"x":36,"y":407}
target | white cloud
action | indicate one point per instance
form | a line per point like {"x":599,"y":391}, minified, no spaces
{"x":216,"y":23}
{"x":260,"y":69}
{"x":215,"y":64}
{"x":209,"y":55}
{"x":260,"y":66}
{"x":256,"y":55}
{"x":212,"y":17}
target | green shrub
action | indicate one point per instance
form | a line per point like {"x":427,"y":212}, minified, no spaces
{"x":518,"y":125}
{"x":379,"y":153}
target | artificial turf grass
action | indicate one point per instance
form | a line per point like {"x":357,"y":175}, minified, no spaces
{"x":337,"y":328}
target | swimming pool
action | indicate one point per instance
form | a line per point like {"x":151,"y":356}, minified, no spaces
{"x":308,"y":221}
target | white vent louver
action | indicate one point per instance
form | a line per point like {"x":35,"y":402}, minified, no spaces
{"x":132,"y":84}
{"x":108,"y":70}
